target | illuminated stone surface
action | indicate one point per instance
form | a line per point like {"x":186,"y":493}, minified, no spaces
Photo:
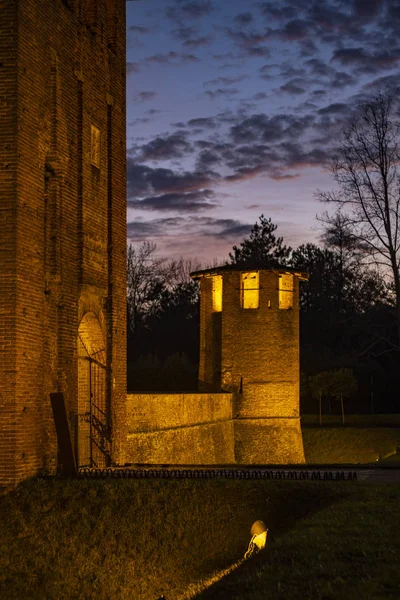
{"x":251,"y":349}
{"x":247,"y":409}
{"x":62,"y":72}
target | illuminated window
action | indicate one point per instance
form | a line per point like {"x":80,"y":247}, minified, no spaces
{"x":250,"y":289}
{"x":95,"y":147}
{"x":286,"y":291}
{"x":217,"y":293}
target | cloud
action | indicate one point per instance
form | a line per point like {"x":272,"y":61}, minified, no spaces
{"x":203,"y":123}
{"x":204,"y":40}
{"x":132,"y":67}
{"x":138,"y":29}
{"x":144,"y":96}
{"x":249,"y":42}
{"x":244,"y":18}
{"x":367,"y":9}
{"x":340,"y":80}
{"x":259,"y":96}
{"x":194,"y":9}
{"x":145,"y":181}
{"x":334,"y":108}
{"x":171,"y":58}
{"x":139,"y":230}
{"x":319,"y":68}
{"x":175,"y":234}
{"x":390,"y":82}
{"x":278,"y":11}
{"x":363,"y":61}
{"x":169,"y":147}
{"x":225,"y":92}
{"x":229,"y":229}
{"x":292,"y":88}
{"x":184,"y":33}
{"x":191,"y":202}
{"x":224,"y":80}
{"x":268,"y":129}
{"x":294,"y":30}
{"x":139,"y":121}
{"x":207,"y":158}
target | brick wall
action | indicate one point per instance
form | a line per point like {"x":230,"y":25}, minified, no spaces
{"x":67,"y":249}
{"x":271,"y":441}
{"x":257,"y":352}
{"x":180,"y":429}
{"x":8,"y":211}
{"x":150,"y":412}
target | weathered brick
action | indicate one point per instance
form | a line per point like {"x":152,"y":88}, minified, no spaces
{"x":254,"y":354}
{"x":62,"y":220}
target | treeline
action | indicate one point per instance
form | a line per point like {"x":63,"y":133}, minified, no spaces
{"x":349,"y":307}
{"x":163,"y":321}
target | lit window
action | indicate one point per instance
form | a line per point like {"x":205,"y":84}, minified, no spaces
{"x":249,"y":288}
{"x":286,"y":291}
{"x":95,"y":147}
{"x":217,"y":293}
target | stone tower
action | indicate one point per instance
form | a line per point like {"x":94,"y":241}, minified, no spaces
{"x":63,"y":226}
{"x":249,"y":345}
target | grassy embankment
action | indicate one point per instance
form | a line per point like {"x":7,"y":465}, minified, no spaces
{"x":363,"y":439}
{"x":139,"y":539}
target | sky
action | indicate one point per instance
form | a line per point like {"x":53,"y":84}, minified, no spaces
{"x":234,"y":109}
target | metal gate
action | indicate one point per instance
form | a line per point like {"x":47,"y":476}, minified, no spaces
{"x":94,"y":431}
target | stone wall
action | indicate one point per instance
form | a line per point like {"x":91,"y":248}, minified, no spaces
{"x":180,"y":429}
{"x":268,"y":441}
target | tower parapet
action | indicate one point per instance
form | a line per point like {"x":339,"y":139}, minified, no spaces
{"x":249,"y":345}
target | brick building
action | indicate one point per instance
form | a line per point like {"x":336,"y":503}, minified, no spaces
{"x":249,"y":346}
{"x":63,"y":226}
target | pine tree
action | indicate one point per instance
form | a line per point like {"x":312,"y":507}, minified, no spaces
{"x":262,"y":248}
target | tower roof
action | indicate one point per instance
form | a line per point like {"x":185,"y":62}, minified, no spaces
{"x":302,"y":275}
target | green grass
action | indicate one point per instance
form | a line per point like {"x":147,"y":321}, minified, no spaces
{"x":387,"y":420}
{"x":341,"y":445}
{"x":347,"y":550}
{"x":139,"y":539}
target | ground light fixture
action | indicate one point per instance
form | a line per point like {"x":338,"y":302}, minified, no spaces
{"x":259,"y":533}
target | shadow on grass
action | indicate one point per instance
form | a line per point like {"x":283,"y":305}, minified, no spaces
{"x":295,"y":504}
{"x":140,"y":539}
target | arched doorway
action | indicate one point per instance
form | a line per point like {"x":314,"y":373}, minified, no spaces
{"x":93,"y":439}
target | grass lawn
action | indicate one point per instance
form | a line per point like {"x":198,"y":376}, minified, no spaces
{"x":131,"y":539}
{"x":341,"y":445}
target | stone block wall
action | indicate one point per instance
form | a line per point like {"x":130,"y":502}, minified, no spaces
{"x":180,"y":429}
{"x":270,"y":441}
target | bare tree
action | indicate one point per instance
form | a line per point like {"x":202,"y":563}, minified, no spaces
{"x":152,"y":281}
{"x":366,"y":171}
{"x":147,"y":278}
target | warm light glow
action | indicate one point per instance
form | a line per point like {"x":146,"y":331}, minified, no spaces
{"x":286,"y":290}
{"x":249,"y":287}
{"x":217,"y":293}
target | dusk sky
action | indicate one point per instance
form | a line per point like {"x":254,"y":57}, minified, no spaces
{"x":234,"y":108}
